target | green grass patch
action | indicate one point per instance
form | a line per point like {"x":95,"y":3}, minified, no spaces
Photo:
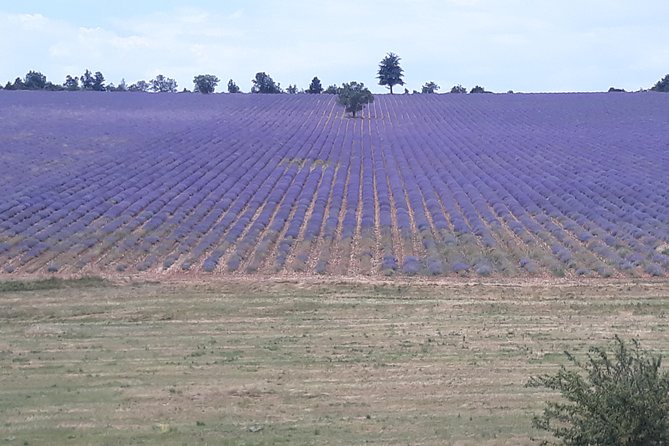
{"x":52,"y":283}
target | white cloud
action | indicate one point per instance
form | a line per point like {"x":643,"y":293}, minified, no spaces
{"x":568,"y":45}
{"x":30,"y":22}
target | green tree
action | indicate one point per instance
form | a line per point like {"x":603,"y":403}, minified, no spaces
{"x":662,"y":85}
{"x":98,"y":82}
{"x":34,"y":80}
{"x":332,"y":89}
{"x":263,"y":83}
{"x":292,"y":89}
{"x":429,"y":88}
{"x":162,"y":84}
{"x":18,"y":84}
{"x":458,"y":89}
{"x":354,"y":96}
{"x":614,"y":398}
{"x":477,"y":89}
{"x":87,"y":80}
{"x":315,"y":86}
{"x":50,"y":86}
{"x":390,"y":72}
{"x":71,"y":83}
{"x":232,"y":87}
{"x":139,"y":86}
{"x":205,"y":83}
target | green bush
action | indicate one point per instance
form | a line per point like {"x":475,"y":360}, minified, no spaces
{"x":617,"y":397}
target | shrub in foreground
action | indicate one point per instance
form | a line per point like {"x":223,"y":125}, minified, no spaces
{"x":615,"y":397}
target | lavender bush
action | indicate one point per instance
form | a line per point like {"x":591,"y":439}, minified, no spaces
{"x":569,"y":184}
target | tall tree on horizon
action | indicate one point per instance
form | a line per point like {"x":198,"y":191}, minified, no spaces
{"x":430,"y":88}
{"x":232,"y":87}
{"x":315,"y":87}
{"x":263,"y":83}
{"x":205,"y":83}
{"x":162,"y":84}
{"x":98,"y":82}
{"x":458,"y":89}
{"x":34,"y":80}
{"x":71,"y":83}
{"x":87,"y":80}
{"x":390,"y":72}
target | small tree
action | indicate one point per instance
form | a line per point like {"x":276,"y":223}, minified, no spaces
{"x":18,"y":84}
{"x":71,"y":83}
{"x":662,"y":85}
{"x":232,"y":87}
{"x":315,"y":86}
{"x":205,"y":83}
{"x":162,"y":84}
{"x":619,"y":399}
{"x":458,"y":89}
{"x":429,"y":88}
{"x":98,"y":82}
{"x":354,"y":96}
{"x":50,"y":86}
{"x":139,"y":86}
{"x":477,"y":89}
{"x":332,"y":89}
{"x":87,"y":80}
{"x":263,"y":83}
{"x":34,"y":80}
{"x":292,"y":89}
{"x":390,"y":72}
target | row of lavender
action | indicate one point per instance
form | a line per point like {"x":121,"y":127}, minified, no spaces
{"x":434,"y":185}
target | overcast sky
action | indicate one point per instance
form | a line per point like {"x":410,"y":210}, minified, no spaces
{"x":520,"y":45}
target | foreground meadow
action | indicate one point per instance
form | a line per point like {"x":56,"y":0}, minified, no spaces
{"x":299,"y":362}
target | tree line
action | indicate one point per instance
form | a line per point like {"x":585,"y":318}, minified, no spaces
{"x":390,"y":74}
{"x":88,"y":81}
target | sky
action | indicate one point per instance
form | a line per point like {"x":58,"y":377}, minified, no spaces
{"x":519,"y":45}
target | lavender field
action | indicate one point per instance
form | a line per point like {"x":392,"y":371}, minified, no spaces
{"x":429,"y":185}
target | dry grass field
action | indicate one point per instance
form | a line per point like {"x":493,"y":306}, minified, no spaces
{"x":299,"y":362}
